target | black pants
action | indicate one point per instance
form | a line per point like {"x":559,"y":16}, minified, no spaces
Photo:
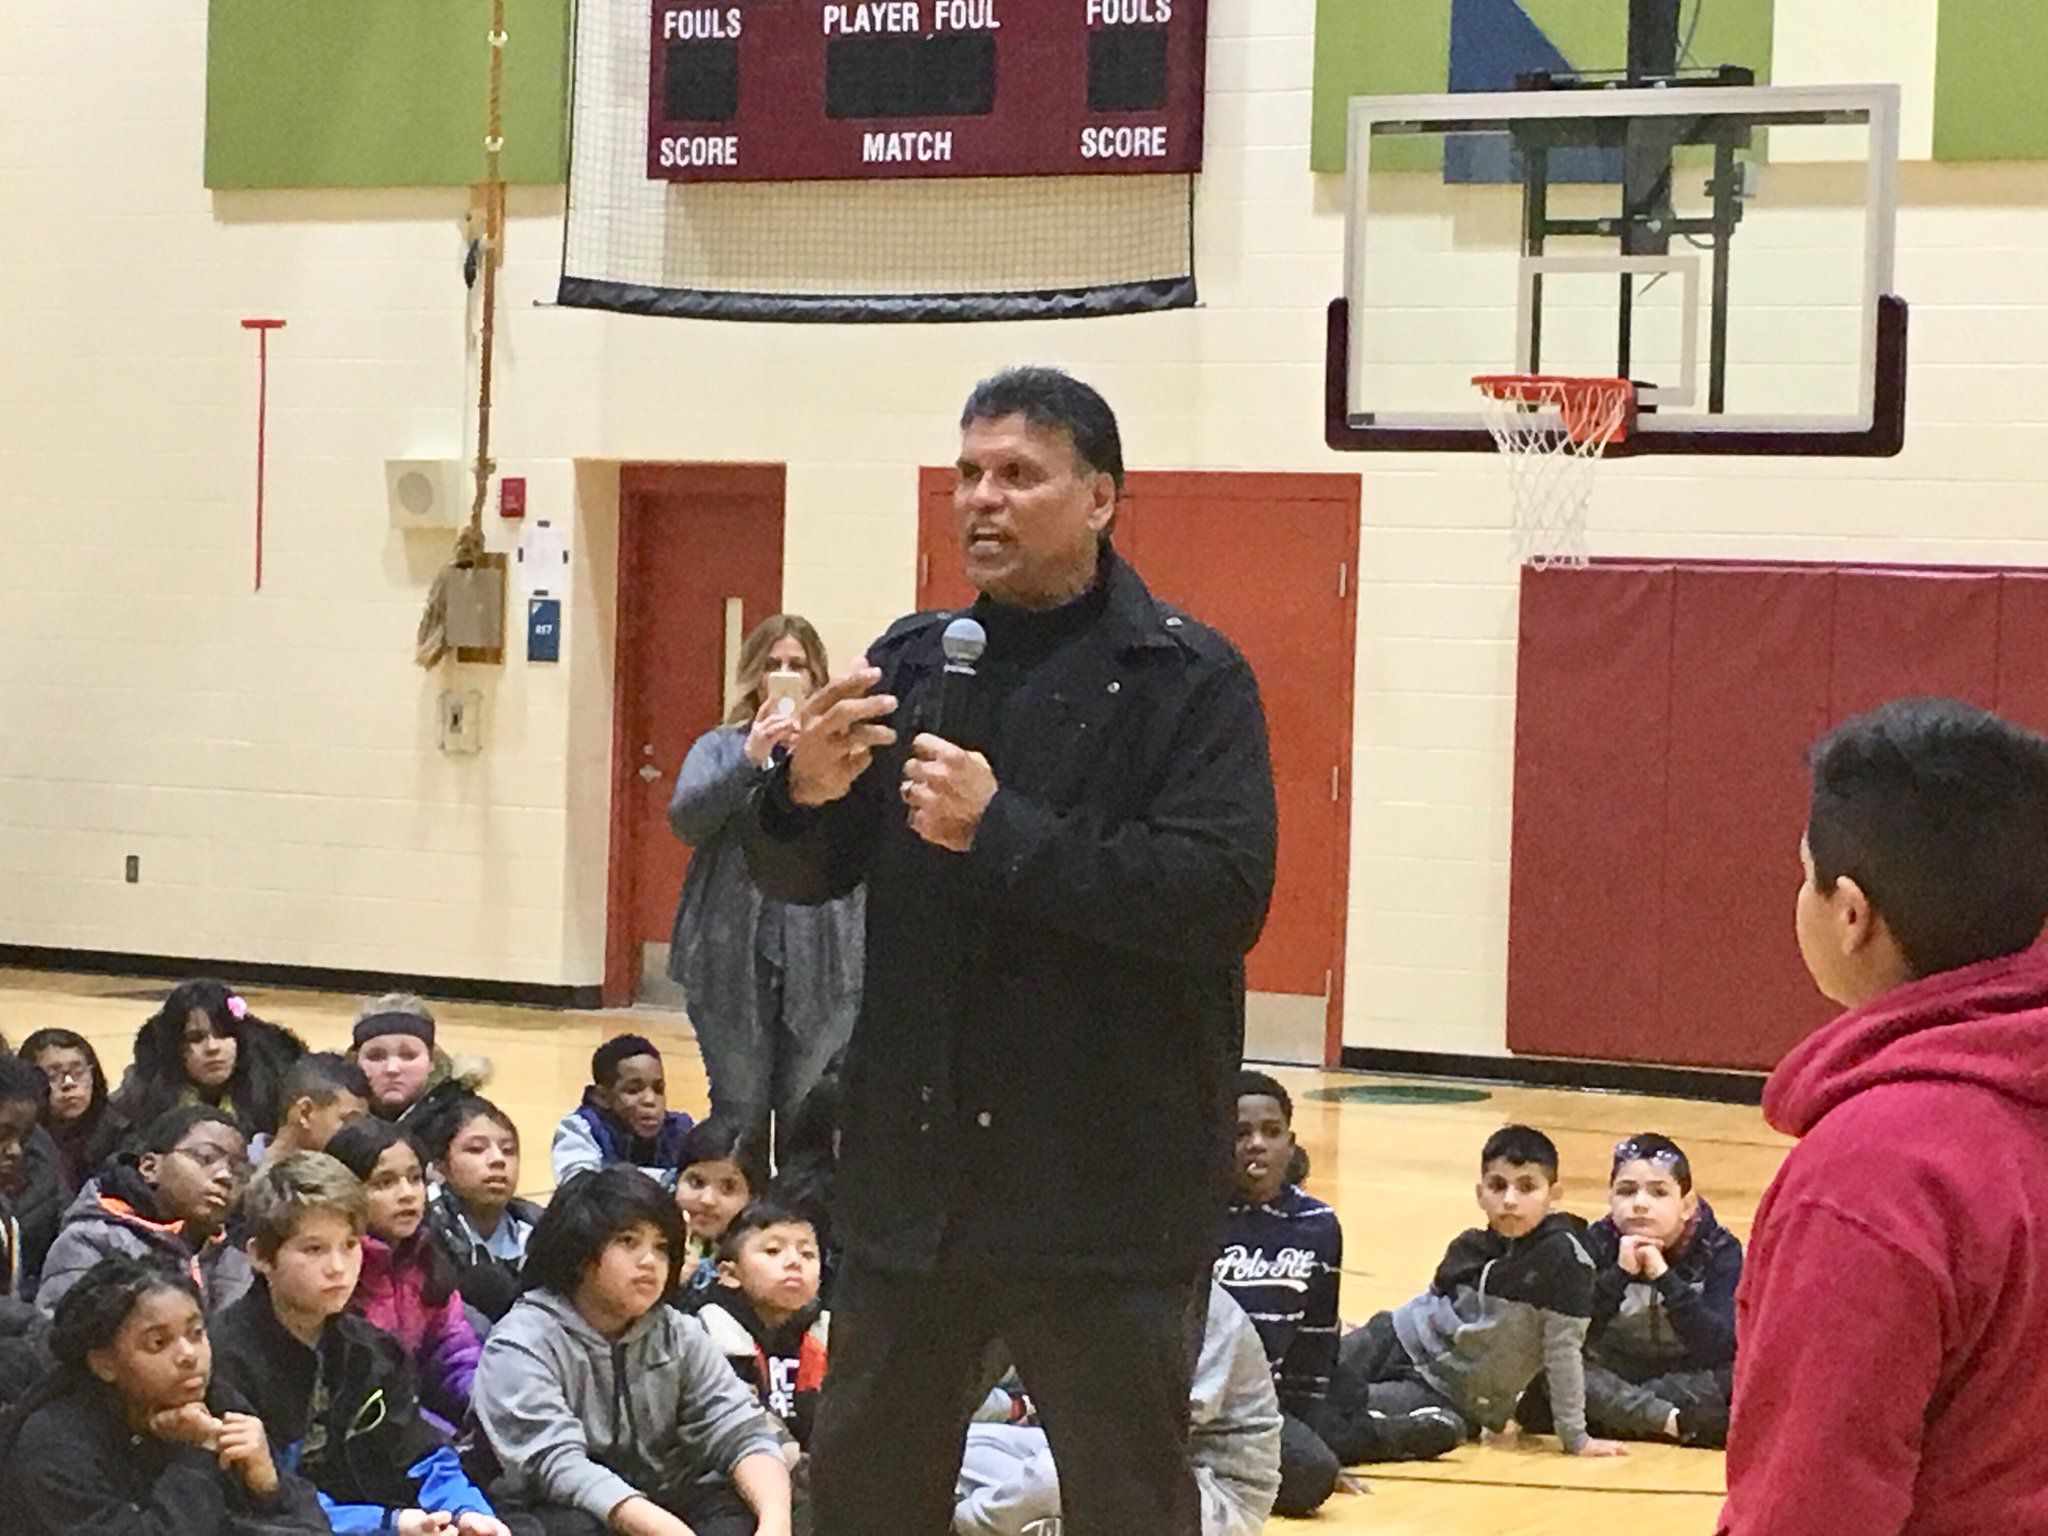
{"x":1624,"y":1409}
{"x":1109,"y":1364}
{"x":708,"y":1509}
{"x":1308,"y":1469}
{"x":1380,"y":1408}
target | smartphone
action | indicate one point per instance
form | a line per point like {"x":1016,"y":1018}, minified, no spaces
{"x":786,"y":690}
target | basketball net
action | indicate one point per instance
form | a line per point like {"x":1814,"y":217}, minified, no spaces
{"x":1553,"y":432}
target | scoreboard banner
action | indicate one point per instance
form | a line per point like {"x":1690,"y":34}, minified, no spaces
{"x":884,"y":160}
{"x":806,"y":90}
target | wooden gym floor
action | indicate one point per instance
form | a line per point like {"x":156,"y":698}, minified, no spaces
{"x":1396,"y":1157}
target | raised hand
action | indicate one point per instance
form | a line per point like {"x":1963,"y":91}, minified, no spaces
{"x":775,"y":724}
{"x":839,"y":730}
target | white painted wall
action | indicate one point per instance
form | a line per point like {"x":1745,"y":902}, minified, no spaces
{"x":271,"y":756}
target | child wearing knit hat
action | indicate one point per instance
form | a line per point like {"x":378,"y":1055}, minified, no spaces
{"x":411,"y":1080}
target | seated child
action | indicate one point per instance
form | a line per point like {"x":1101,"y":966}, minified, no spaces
{"x":31,"y":1185}
{"x":602,"y":1403}
{"x":167,"y":1199}
{"x":473,"y":1213}
{"x":131,"y":1435}
{"x":809,"y":1165}
{"x":205,"y":1045}
{"x":411,"y":1079}
{"x":1510,"y":1302}
{"x":21,"y":1325}
{"x":764,"y":1315}
{"x":322,"y":1092}
{"x":1660,"y":1359}
{"x":624,"y":1117}
{"x":1282,"y":1255}
{"x":77,"y":1118}
{"x":1008,"y":1485}
{"x":408,"y":1285}
{"x":336,"y":1395}
{"x":721,"y":1175}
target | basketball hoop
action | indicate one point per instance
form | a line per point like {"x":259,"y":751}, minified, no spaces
{"x":1552,"y":431}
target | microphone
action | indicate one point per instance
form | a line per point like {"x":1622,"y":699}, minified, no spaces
{"x":964,"y":642}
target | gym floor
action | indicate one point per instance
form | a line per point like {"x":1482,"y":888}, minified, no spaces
{"x":1396,"y":1157}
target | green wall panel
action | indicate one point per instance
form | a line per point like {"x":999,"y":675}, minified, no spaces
{"x":379,"y":93}
{"x":1991,"y":80}
{"x":1377,"y":48}
{"x":1386,"y":47}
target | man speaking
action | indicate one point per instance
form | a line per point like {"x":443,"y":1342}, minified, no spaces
{"x":1063,"y":812}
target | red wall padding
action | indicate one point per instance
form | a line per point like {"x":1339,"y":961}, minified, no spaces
{"x":2023,"y":666}
{"x":1901,"y":633}
{"x":1578,"y":880}
{"x":1662,"y":721}
{"x":1749,"y":693}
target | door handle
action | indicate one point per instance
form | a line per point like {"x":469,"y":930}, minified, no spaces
{"x":649,"y":773}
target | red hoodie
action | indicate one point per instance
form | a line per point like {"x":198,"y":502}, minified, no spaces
{"x":1893,"y":1372}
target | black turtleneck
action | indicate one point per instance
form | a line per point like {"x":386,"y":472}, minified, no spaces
{"x":1019,"y":641}
{"x":1020,"y":638}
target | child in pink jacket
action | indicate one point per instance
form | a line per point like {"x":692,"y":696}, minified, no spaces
{"x":408,"y":1285}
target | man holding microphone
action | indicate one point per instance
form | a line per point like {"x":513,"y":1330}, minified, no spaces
{"x":1068,"y":848}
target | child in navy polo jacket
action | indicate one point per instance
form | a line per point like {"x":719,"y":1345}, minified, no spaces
{"x":1281,"y":1257}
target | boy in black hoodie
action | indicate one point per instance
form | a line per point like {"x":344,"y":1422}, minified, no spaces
{"x":336,"y":1395}
{"x":1510,"y":1302}
{"x":1660,"y":1357}
{"x":764,"y":1314}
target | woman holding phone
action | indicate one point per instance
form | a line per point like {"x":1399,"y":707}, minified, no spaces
{"x":771,"y":989}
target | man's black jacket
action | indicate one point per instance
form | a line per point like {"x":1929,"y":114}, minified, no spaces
{"x":1039,"y":1079}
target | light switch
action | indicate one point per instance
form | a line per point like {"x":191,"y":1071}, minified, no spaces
{"x":462,"y":720}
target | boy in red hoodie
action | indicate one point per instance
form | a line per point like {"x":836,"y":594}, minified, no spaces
{"x":1895,"y":1304}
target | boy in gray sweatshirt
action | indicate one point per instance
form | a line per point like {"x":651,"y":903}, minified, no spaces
{"x":1510,"y":1302}
{"x":602,"y":1403}
{"x":1008,"y":1485}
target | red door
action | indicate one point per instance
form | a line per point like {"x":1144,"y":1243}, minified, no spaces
{"x":1268,"y":560}
{"x":691,"y":539}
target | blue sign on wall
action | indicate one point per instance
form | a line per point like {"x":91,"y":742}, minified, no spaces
{"x":544,"y":629}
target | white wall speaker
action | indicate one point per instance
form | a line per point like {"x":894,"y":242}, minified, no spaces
{"x":426,"y":493}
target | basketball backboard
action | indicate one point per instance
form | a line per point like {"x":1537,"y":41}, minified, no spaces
{"x":1728,"y":247}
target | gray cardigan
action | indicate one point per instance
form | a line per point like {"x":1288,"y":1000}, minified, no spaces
{"x":712,"y":951}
